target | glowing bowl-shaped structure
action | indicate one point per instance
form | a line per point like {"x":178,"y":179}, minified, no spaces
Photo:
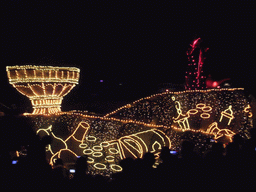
{"x":45,"y":86}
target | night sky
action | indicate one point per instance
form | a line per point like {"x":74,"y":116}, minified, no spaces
{"x":131,"y":45}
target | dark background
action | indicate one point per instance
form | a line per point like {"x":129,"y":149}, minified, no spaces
{"x":131,"y":45}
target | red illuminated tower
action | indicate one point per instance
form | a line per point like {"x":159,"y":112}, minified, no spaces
{"x":195,"y":78}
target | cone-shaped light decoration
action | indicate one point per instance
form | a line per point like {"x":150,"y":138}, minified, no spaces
{"x":45,"y":86}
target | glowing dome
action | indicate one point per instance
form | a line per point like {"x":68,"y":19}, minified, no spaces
{"x":45,"y":86}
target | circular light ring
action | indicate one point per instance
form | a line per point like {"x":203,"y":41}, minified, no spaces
{"x":83,"y":145}
{"x":193,"y":111}
{"x":91,"y":138}
{"x":90,"y":160}
{"x":104,"y":144}
{"x":100,"y":166}
{"x":205,"y":115}
{"x":207,"y":109}
{"x":88,"y":151}
{"x":110,"y":158}
{"x":97,"y":148}
{"x":200,"y":105}
{"x":97,"y":154}
{"x":113,"y":151}
{"x":116,"y":168}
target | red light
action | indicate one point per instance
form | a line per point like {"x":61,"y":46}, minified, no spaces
{"x":195,"y":42}
{"x":215,"y":84}
{"x":197,"y":62}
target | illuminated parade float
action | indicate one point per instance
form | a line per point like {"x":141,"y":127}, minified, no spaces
{"x":146,"y":125}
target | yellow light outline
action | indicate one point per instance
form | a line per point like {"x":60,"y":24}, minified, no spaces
{"x":89,"y":153}
{"x":114,"y":169}
{"x":153,"y":146}
{"x":100,"y":168}
{"x":192,"y":111}
{"x":64,"y":141}
{"x":110,"y":158}
{"x":230,"y":115}
{"x":97,"y":154}
{"x":205,"y":115}
{"x":247,"y":110}
{"x":216,"y":131}
{"x":207,"y":110}
{"x":97,"y":148}
{"x":139,"y":149}
{"x":181,"y":119}
{"x":200,"y":106}
{"x":90,"y":160}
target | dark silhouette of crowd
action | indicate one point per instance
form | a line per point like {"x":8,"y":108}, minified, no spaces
{"x":229,"y":167}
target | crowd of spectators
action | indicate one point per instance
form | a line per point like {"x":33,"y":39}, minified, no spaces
{"x":232,"y":167}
